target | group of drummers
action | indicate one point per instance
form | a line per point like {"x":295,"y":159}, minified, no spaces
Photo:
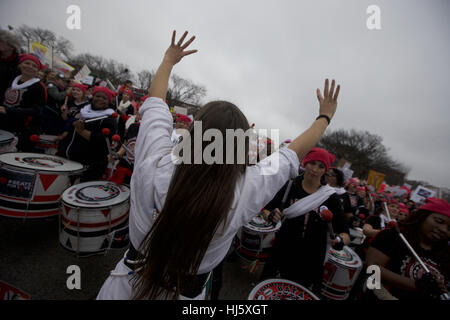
{"x":315,"y":238}
{"x":331,"y":257}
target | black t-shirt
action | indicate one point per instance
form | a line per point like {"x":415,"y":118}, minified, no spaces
{"x":374,"y":221}
{"x":73,"y":108}
{"x":345,"y":199}
{"x":24,"y":113}
{"x":403,"y":263}
{"x":301,"y":243}
{"x":351,"y":203}
{"x":21,"y":104}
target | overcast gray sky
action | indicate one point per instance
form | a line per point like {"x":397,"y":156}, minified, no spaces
{"x":268,"y":57}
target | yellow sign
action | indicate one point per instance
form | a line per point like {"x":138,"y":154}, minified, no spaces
{"x":47,"y":58}
{"x":375,"y":179}
{"x":44,"y":54}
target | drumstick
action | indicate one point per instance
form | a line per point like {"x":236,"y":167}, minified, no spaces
{"x":106,"y":132}
{"x":95,"y":119}
{"x":116,"y":138}
{"x":283,"y":203}
{"x":327,"y":216}
{"x":114,"y":115}
{"x":386,"y":210}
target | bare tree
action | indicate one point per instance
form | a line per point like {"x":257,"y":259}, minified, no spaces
{"x":61,"y":46}
{"x":365,"y":151}
{"x":145,"y":79}
{"x":102,"y":68}
{"x":184,"y":90}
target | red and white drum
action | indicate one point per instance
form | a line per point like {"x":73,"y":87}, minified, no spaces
{"x":255,"y":238}
{"x":8,"y":142}
{"x":9,"y":292}
{"x":31,"y":183}
{"x":340,"y":273}
{"x":94,"y":217}
{"x":48,"y":144}
{"x":280,"y":289}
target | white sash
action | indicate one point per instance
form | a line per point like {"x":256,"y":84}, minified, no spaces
{"x":88,"y":113}
{"x":340,"y":191}
{"x":309,"y":203}
{"x":16,"y":86}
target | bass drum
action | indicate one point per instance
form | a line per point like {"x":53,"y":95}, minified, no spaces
{"x":254,"y":240}
{"x":341,"y":271}
{"x":94,"y":217}
{"x":31,"y":183}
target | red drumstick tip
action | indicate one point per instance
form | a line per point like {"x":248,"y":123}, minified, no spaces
{"x":34,"y":138}
{"x":106,"y":131}
{"x":116,"y":138}
{"x":115,"y":115}
{"x":326,"y":215}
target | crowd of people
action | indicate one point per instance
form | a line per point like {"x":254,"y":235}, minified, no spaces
{"x":184,"y":217}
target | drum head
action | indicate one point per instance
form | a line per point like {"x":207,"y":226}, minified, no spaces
{"x":5,"y":137}
{"x":260,"y":225}
{"x":95,"y":194}
{"x":281,"y":289}
{"x":40,"y":162}
{"x":346,"y":257}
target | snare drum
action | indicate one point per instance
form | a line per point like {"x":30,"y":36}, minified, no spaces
{"x":94,"y":217}
{"x":48,"y":144}
{"x":255,"y":239}
{"x":280,"y":289}
{"x":8,"y":142}
{"x":31,"y":184}
{"x":341,"y":270}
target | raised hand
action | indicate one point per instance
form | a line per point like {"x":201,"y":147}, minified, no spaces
{"x":177,"y":51}
{"x":328,"y":102}
{"x":173,"y":55}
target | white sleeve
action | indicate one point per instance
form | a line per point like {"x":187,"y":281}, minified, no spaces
{"x":265,"y":179}
{"x":155,"y":130}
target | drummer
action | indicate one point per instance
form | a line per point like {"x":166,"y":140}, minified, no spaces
{"x":428,"y":232}
{"x":86,"y":143}
{"x":23,"y":102}
{"x":306,"y":234}
{"x":335,"y":178}
{"x":372,"y":225}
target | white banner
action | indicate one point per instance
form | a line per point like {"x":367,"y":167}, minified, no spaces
{"x":421,"y":194}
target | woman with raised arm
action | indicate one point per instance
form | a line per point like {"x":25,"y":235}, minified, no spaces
{"x":183,"y":217}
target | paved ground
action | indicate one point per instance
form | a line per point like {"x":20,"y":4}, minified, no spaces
{"x":32,"y":259}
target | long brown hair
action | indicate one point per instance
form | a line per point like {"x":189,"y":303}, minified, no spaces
{"x":199,"y":199}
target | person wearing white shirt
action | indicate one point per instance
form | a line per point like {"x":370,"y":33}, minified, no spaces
{"x":183,"y":217}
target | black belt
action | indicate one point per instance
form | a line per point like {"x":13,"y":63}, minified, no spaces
{"x":192,"y":284}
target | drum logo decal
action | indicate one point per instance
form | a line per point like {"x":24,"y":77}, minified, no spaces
{"x":281,"y":291}
{"x":130,"y":146}
{"x":47,"y":162}
{"x":412,"y":269}
{"x":12,"y":97}
{"x":16,"y":184}
{"x":96,"y":193}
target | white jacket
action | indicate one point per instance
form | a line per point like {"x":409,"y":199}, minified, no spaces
{"x":151,"y":178}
